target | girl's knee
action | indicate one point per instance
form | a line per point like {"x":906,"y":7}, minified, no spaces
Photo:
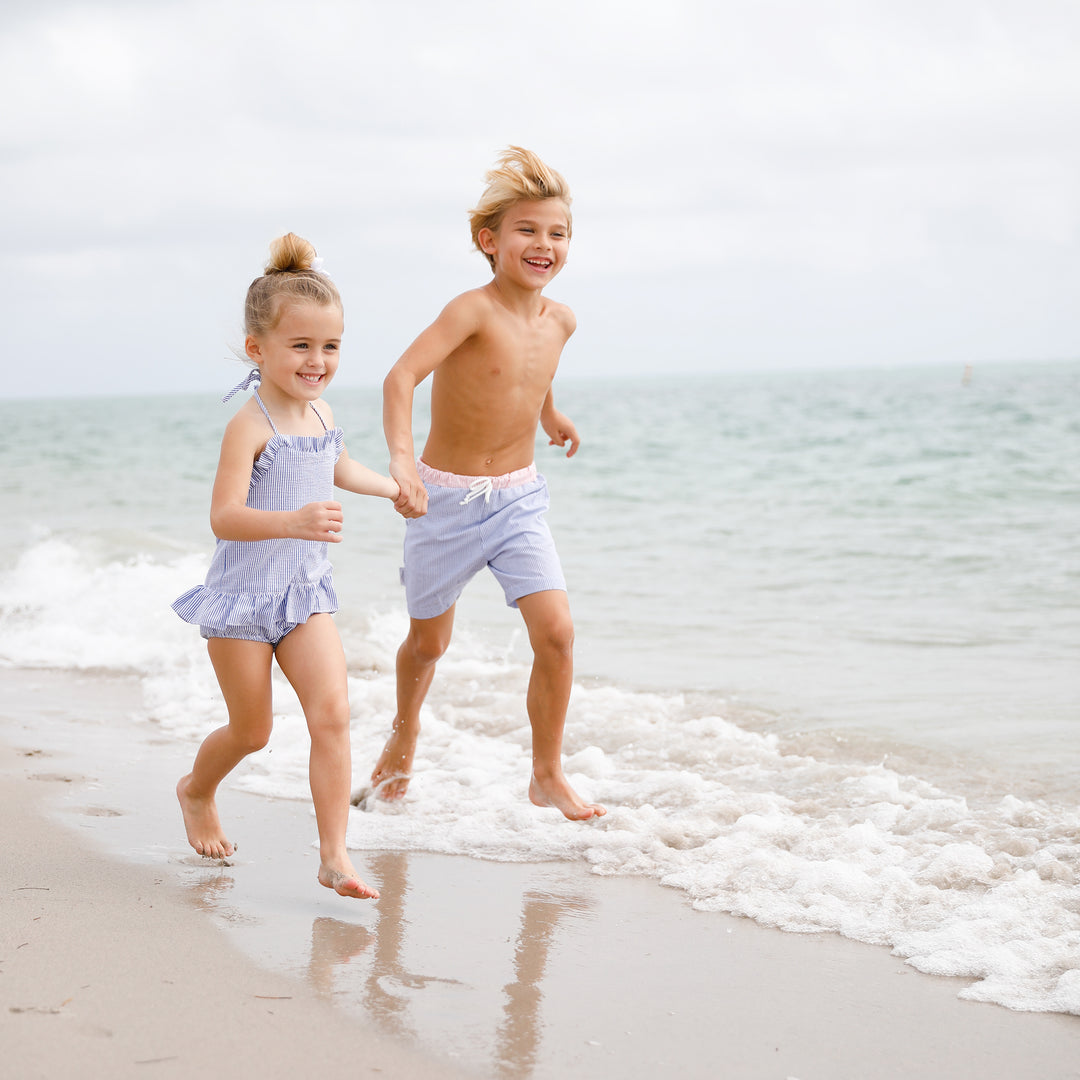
{"x":330,"y":718}
{"x":252,"y":739}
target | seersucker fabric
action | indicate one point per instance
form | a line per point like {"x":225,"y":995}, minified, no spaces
{"x":261,"y":589}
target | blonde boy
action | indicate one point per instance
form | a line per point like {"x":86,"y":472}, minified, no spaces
{"x":474,"y":499}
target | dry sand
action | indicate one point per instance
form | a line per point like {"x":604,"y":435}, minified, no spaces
{"x":123,"y":954}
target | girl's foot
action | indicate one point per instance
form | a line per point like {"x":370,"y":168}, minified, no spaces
{"x":201,"y":821}
{"x":346,"y":883}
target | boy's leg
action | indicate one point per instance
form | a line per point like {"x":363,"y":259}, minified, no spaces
{"x":243,"y":673}
{"x":313,"y":660}
{"x":551,"y":635}
{"x":426,"y":642}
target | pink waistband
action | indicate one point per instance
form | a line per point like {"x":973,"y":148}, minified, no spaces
{"x":455,"y":480}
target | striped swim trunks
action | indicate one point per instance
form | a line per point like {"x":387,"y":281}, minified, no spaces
{"x":473,"y":522}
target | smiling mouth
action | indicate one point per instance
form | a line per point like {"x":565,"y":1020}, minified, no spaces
{"x":313,"y":379}
{"x":540,"y":264}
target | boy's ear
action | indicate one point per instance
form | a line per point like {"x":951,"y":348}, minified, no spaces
{"x":486,"y":239}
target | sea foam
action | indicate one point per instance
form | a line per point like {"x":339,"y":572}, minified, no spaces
{"x":984,"y":889}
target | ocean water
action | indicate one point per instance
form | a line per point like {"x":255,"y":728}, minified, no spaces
{"x":827,"y":658}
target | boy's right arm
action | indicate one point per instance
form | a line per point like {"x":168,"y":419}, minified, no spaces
{"x":457,"y":322}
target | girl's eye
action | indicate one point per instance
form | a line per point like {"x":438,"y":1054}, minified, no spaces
{"x":301,"y":345}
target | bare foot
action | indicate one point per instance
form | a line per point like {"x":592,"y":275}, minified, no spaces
{"x":393,"y":771}
{"x":346,"y":882}
{"x":204,"y":830}
{"x":556,"y":791}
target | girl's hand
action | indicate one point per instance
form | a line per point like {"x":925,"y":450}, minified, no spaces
{"x":321,"y":521}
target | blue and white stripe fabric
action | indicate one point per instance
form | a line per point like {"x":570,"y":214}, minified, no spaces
{"x":258,"y":590}
{"x":473,"y":522}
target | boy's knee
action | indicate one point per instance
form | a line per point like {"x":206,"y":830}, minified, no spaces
{"x":554,"y":636}
{"x":426,"y":646}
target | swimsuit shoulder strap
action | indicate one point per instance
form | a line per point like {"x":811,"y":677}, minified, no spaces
{"x":265,"y":413}
{"x":318,"y":414}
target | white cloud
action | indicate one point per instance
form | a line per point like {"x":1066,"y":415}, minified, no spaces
{"x":767,"y":182}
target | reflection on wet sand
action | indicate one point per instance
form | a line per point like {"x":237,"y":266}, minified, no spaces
{"x":209,"y":885}
{"x":385,"y":989}
{"x":517,"y":1040}
{"x":388,"y":978}
{"x":333,"y":943}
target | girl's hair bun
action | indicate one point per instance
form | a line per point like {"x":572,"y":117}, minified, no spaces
{"x":292,"y":276}
{"x":290,"y":254}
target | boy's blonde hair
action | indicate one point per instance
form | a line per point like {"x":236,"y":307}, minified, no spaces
{"x":290,"y":277}
{"x":520,"y":174}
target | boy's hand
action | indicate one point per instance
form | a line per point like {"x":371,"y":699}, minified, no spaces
{"x":560,"y":430}
{"x":412,"y":495}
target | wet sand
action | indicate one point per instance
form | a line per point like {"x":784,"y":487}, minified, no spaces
{"x":122,"y":953}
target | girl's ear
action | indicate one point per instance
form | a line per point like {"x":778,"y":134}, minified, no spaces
{"x":251,"y":349}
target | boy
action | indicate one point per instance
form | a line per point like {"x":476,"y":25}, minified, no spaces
{"x":474,"y":499}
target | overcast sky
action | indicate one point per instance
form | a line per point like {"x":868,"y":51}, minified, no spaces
{"x":757,"y":183}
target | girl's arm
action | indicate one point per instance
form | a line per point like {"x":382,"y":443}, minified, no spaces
{"x":352,"y":476}
{"x":231,"y":519}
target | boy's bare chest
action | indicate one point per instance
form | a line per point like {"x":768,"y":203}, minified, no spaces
{"x":517,"y":355}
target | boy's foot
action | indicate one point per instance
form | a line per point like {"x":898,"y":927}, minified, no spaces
{"x":346,"y":883}
{"x":393,"y":771}
{"x":201,"y":821}
{"x":556,"y":791}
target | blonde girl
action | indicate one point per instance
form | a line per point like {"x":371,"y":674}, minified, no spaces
{"x":269,"y":592}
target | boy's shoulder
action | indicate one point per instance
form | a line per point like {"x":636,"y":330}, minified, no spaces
{"x":483,"y":302}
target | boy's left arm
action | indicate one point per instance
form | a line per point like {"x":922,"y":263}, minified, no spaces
{"x":558,"y":426}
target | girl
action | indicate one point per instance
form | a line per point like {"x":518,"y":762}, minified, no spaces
{"x":270,"y":591}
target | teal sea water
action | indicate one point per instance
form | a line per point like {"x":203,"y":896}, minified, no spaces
{"x":827,"y":659}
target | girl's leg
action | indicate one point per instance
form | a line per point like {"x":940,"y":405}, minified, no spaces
{"x":243,"y":673}
{"x":313,"y":660}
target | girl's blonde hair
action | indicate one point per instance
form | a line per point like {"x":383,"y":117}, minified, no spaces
{"x":290,"y":277}
{"x":519,"y":174}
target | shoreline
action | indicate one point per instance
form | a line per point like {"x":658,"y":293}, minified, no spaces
{"x":121,"y":950}
{"x":109,"y":971}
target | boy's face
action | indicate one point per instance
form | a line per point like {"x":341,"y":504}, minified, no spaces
{"x":531,"y":243}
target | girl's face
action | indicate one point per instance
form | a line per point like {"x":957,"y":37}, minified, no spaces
{"x":299,"y":357}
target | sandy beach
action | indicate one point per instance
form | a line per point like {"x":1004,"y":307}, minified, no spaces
{"x":123,"y":954}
